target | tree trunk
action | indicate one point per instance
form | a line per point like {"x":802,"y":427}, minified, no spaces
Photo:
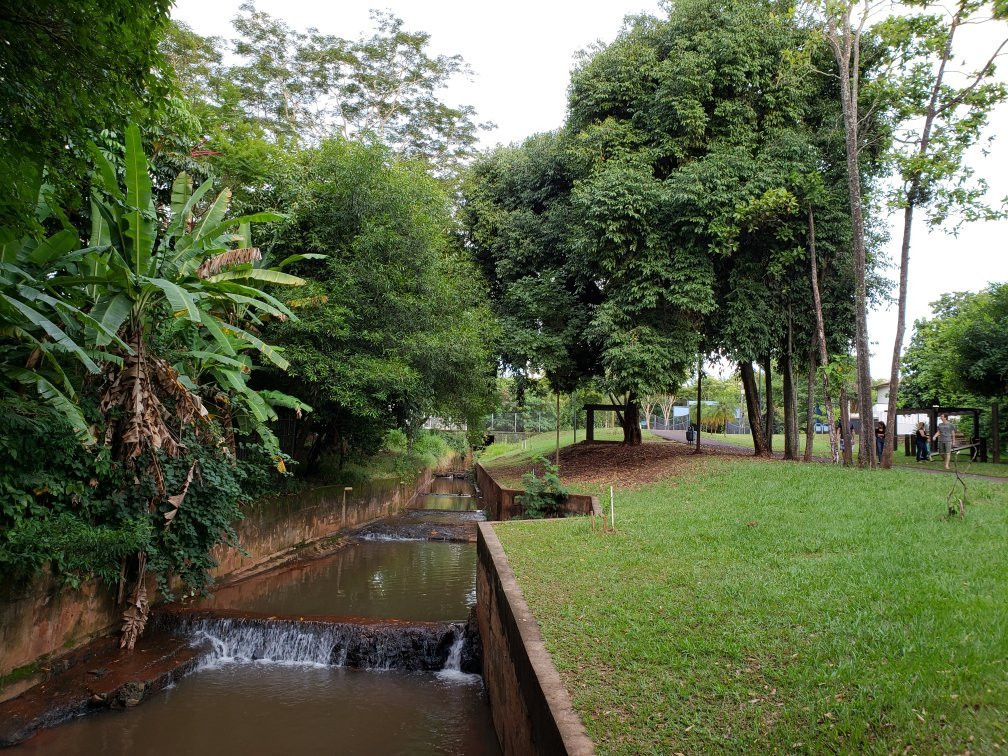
{"x":631,"y":422}
{"x":753,"y":408}
{"x":790,"y":398}
{"x":911,"y":202}
{"x":996,"y":433}
{"x":699,"y":403}
{"x":848,"y":453}
{"x":768,"y":427}
{"x":556,"y":462}
{"x":846,"y":46}
{"x":821,"y":336}
{"x":810,"y":405}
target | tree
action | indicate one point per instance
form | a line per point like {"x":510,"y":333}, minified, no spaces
{"x":48,"y":115}
{"x":979,"y":343}
{"x":940,"y":122}
{"x":136,"y":273}
{"x":961,"y":352}
{"x":285,"y":88}
{"x":392,"y":327}
{"x":669,"y":132}
{"x":844,"y":31}
{"x":959,"y":356}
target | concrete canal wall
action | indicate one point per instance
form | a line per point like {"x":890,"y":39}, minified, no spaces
{"x":501,"y":503}
{"x":532,"y":711}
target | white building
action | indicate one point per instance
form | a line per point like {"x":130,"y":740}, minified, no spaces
{"x":880,"y":411}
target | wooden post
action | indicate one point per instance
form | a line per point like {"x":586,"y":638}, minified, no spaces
{"x":996,"y":431}
{"x":590,"y":425}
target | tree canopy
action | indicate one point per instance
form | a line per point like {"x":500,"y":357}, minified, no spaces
{"x":391,"y":328}
{"x":668,"y":218}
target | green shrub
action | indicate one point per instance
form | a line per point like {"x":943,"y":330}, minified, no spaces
{"x":542,"y":496}
{"x":457,"y":442}
{"x":74,"y":549}
{"x":71,"y":507}
{"x":395,"y":441}
{"x":429,"y":449}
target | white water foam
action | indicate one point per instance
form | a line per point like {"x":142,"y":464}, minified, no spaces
{"x":452,"y":670}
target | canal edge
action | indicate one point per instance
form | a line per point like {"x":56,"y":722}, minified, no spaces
{"x":531,"y":707}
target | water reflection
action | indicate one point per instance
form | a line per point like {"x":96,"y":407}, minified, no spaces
{"x":413,"y":580}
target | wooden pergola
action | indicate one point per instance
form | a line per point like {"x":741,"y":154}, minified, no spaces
{"x":935,"y":411}
{"x":590,"y":410}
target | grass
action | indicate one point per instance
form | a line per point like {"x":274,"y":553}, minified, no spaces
{"x":538,"y":445}
{"x":820,"y":442}
{"x":393,"y":460}
{"x":750,"y":606}
{"x":820,"y":447}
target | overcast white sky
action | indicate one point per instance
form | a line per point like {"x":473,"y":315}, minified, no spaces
{"x":521,"y":53}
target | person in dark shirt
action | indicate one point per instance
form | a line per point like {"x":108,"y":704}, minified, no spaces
{"x":879,"y":439}
{"x":921,"y":444}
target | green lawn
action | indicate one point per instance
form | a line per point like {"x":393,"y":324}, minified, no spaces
{"x":755,"y":606}
{"x":539,"y":445}
{"x":820,"y":442}
{"x":820,"y":447}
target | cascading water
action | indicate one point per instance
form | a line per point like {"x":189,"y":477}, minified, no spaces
{"x":399,"y":646}
{"x":452,"y":669}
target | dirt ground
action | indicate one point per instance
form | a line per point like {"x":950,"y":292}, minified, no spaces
{"x":600,"y":463}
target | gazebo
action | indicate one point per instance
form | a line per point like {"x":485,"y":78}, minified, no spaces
{"x":935,"y":411}
{"x":591,"y":409}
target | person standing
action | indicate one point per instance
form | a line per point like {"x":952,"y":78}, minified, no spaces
{"x":879,"y":440}
{"x":921,"y":444}
{"x":947,"y":433}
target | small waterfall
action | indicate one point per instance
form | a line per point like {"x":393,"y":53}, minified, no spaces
{"x":394,"y":645}
{"x":452,"y":669}
{"x":454,"y":661}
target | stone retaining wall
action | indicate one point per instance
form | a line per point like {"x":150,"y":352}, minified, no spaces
{"x":41,"y":620}
{"x":500,"y":503}
{"x":532,"y":711}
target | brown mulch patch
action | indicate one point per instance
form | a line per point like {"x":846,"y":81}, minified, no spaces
{"x":600,"y":463}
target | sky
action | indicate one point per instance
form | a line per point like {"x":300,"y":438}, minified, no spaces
{"x":521,"y":53}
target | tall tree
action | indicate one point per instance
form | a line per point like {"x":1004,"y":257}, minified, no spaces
{"x":943,"y":114}
{"x":286,"y":87}
{"x":844,"y":28}
{"x":392,"y":326}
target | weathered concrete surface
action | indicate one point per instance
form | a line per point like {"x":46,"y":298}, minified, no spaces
{"x":100,"y":676}
{"x":40,"y":621}
{"x":500,"y":503}
{"x":532,"y":711}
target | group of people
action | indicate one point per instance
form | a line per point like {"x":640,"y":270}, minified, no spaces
{"x":945,"y":432}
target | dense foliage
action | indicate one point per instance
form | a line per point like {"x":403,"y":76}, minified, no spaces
{"x":68,"y":70}
{"x":145,"y":326}
{"x":959,"y":356}
{"x":396,"y":331}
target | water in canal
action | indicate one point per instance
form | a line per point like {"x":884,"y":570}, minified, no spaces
{"x":278,"y":686}
{"x":253,"y":709}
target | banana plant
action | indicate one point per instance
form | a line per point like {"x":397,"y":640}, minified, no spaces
{"x":142,"y":270}
{"x":42,"y":325}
